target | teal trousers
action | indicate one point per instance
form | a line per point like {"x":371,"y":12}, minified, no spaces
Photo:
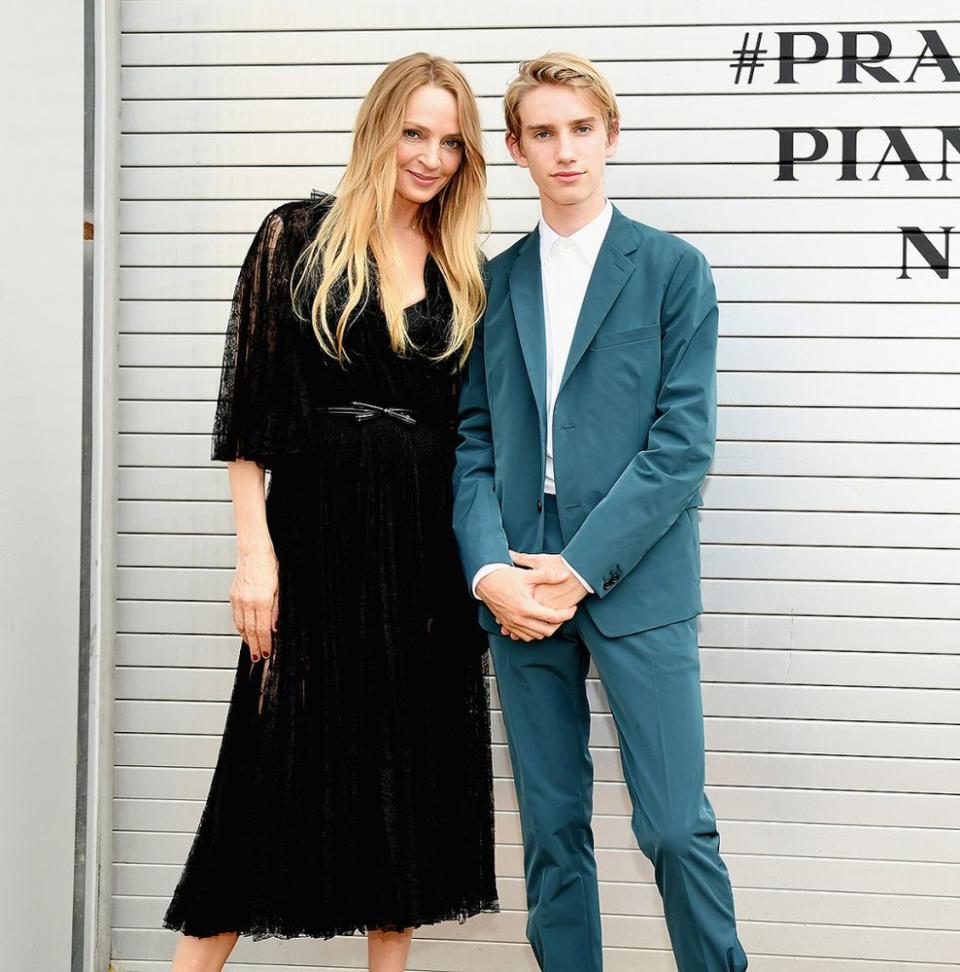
{"x":652,"y":683}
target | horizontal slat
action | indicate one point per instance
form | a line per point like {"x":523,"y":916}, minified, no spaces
{"x":205,"y":582}
{"x":222,"y":15}
{"x":770,"y":700}
{"x":148,"y":661}
{"x":757,"y":872}
{"x":344,"y":46}
{"x":817,"y":772}
{"x":744,"y":665}
{"x":878,"y":703}
{"x":773,"y":838}
{"x":232,"y":180}
{"x":521,"y":215}
{"x":853,"y":494}
{"x":764,"y":803}
{"x":720,"y":561}
{"x":768,"y":282}
{"x":636,"y":936}
{"x":908,"y":110}
{"x":875,"y":910}
{"x":747,"y":870}
{"x":745,"y":632}
{"x":185,"y":250}
{"x":818,"y":600}
{"x":731,"y":735}
{"x":880,"y":910}
{"x":640,"y":931}
{"x":796,"y":354}
{"x":806,"y":318}
{"x":744,"y":527}
{"x":206,"y":480}
{"x":814,"y":424}
{"x":878,"y":633}
{"x":628,"y":77}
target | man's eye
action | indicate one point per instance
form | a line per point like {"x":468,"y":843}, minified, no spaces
{"x":538,"y":134}
{"x":583,"y":128}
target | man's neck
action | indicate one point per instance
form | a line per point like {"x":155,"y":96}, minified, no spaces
{"x":566,"y":220}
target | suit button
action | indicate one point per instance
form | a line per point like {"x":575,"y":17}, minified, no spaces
{"x":539,"y":506}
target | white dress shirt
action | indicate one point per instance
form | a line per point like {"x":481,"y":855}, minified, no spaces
{"x":566,"y":264}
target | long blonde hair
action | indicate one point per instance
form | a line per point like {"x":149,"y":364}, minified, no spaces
{"x":357,"y":219}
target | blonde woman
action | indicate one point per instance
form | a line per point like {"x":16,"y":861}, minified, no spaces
{"x":353,"y":790}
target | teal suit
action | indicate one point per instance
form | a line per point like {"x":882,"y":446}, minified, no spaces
{"x":634,"y":429}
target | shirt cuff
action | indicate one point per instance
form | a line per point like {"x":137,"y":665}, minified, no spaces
{"x":590,"y":590}
{"x":481,"y":573}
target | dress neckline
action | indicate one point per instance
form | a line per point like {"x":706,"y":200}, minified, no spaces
{"x":426,"y":280}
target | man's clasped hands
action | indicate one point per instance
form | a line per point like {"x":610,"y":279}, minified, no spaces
{"x":531,"y":599}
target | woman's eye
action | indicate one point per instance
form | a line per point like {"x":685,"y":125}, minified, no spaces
{"x":411,"y":133}
{"x":454,"y":143}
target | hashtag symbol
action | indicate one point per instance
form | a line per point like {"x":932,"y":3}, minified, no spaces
{"x":747,"y":58}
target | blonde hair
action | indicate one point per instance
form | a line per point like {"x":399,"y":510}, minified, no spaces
{"x":356,"y":224}
{"x":560,"y":67}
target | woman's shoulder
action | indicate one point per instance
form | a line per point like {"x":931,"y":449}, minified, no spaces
{"x":296,"y":221}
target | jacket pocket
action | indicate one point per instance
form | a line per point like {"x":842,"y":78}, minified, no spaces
{"x":609,"y":339}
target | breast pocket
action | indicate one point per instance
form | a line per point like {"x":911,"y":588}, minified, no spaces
{"x":629,"y":335}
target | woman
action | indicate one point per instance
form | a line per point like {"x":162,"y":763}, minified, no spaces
{"x":353,"y":790}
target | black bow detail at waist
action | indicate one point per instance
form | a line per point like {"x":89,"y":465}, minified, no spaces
{"x":362,"y":411}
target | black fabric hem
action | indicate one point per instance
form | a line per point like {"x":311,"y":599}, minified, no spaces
{"x":259,"y":930}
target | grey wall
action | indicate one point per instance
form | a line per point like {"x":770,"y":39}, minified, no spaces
{"x":41,"y":330}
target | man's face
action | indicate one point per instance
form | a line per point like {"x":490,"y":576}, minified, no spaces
{"x":563,"y":143}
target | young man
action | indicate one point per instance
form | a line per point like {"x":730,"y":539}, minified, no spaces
{"x":587,"y":424}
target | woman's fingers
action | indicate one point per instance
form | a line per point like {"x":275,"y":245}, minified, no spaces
{"x":250,"y":631}
{"x":264,"y":615}
{"x":237,"y":616}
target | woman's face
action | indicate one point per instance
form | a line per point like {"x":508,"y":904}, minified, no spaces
{"x":430,"y":149}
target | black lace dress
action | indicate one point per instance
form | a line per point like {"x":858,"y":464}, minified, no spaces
{"x":353,"y":788}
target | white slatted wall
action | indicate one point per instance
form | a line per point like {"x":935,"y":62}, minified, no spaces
{"x":831,"y":531}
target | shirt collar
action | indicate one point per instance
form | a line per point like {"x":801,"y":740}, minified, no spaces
{"x":588,"y":238}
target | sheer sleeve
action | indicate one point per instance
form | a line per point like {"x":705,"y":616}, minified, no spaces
{"x":263,"y":409}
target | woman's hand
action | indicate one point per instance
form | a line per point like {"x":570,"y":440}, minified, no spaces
{"x":253,"y":594}
{"x":254,"y":597}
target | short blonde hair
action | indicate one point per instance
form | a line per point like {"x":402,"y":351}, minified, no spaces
{"x":560,"y":67}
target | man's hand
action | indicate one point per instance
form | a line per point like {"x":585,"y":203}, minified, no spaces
{"x":508,"y":593}
{"x":564,"y":590}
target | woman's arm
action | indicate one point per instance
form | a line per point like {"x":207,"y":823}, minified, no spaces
{"x":254,"y":594}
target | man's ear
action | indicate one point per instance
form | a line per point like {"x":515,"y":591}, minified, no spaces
{"x":613,"y":139}
{"x":515,"y":149}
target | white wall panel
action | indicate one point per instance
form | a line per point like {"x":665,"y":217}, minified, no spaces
{"x":831,"y":527}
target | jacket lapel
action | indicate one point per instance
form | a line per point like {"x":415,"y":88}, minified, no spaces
{"x":526,"y":297}
{"x":611,"y":271}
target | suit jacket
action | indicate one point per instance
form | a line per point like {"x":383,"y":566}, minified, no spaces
{"x":634,"y":425}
